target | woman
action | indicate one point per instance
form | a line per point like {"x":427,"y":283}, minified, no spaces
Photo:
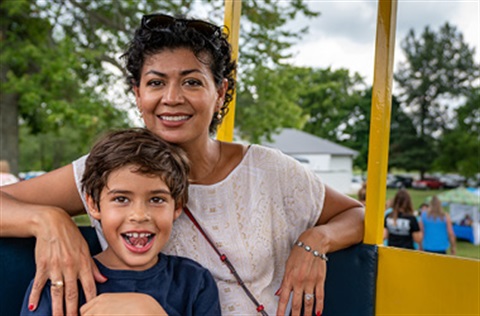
{"x":6,"y":177}
{"x":438,"y":229}
{"x":401,"y":226}
{"x":254,"y":202}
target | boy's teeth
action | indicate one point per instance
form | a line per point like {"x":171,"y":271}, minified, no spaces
{"x":137,"y":235}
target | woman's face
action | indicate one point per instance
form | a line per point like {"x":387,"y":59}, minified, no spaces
{"x":177,"y":95}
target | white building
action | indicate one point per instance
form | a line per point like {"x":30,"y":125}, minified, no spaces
{"x":332,"y":162}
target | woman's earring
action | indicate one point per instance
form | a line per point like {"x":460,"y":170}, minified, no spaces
{"x":219,"y":116}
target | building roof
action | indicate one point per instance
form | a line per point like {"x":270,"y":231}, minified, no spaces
{"x":294,"y":142}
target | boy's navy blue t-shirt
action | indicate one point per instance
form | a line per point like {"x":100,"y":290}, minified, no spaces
{"x":180,"y":285}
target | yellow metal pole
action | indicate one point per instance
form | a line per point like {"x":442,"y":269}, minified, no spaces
{"x":232,"y":21}
{"x":380,"y":121}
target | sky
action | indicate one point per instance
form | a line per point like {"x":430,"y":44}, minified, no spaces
{"x":343,"y":36}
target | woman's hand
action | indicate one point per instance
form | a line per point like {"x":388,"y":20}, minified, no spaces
{"x":122,"y":304}
{"x":304,"y":274}
{"x":62,"y":256}
{"x":339,"y":226}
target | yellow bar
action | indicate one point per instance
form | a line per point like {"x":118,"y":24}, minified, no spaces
{"x":232,"y":21}
{"x":380,"y":122}
{"x":411,"y":282}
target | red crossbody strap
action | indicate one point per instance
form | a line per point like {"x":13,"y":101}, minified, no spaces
{"x":224,"y":259}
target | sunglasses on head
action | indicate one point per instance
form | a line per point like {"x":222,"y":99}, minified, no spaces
{"x":158,"y":22}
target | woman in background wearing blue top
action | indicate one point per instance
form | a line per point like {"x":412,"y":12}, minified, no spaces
{"x":438,"y":229}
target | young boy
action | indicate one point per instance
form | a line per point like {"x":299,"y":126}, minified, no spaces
{"x":136,"y":185}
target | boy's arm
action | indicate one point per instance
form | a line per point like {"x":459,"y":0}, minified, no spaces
{"x":207,"y":301}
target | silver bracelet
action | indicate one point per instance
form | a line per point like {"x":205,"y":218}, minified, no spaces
{"x":314,"y":252}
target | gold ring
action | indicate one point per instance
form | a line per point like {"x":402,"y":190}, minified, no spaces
{"x":57,"y":283}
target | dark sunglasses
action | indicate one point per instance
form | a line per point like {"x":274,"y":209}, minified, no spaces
{"x":158,"y":22}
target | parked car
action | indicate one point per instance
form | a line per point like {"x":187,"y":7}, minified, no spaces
{"x":428,"y":183}
{"x":399,"y":181}
{"x":449,"y":182}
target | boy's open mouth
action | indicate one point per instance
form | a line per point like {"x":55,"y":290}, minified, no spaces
{"x":138,"y":240}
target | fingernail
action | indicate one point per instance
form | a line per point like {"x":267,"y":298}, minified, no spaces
{"x":277,"y":293}
{"x":31,"y":307}
{"x":318,"y":313}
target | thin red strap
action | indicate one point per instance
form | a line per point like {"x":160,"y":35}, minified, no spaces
{"x":227,"y":262}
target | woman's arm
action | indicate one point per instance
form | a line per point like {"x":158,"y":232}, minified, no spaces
{"x":339,"y":226}
{"x":420,"y":244}
{"x":418,"y":238}
{"x":41,"y":207}
{"x":451,"y":235}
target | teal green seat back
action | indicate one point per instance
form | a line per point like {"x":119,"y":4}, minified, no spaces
{"x":349,"y":286}
{"x":17,"y":268}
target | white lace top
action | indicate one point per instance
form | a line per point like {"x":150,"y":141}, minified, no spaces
{"x":253,"y":216}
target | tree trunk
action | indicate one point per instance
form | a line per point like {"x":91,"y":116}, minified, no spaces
{"x":9,"y":129}
{"x":8,"y":115}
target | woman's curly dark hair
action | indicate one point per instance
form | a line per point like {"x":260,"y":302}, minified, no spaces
{"x":147,"y":42}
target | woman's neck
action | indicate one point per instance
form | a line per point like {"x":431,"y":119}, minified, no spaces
{"x":205,"y":161}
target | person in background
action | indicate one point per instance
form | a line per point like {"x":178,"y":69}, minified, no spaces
{"x":438,"y":235}
{"x":270,"y":216}
{"x":466,"y":220}
{"x":6,"y":177}
{"x":422,"y":209}
{"x":136,"y":185}
{"x":402,"y":228}
{"x":362,"y":194}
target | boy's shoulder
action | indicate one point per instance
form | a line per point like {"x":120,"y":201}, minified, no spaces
{"x":179,"y":262}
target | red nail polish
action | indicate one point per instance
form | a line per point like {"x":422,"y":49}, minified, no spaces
{"x":318,"y":313}
{"x":31,"y":307}
{"x":277,"y":293}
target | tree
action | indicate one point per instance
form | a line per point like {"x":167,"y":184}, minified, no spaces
{"x":331,"y":104}
{"x":438,"y":67}
{"x":43,"y":83}
{"x":269,"y":100}
{"x":460,"y":146}
{"x":327,"y":97}
{"x":358,"y":128}
{"x":406,"y":147}
{"x":58,"y":52}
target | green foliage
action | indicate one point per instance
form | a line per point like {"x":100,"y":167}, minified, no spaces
{"x":330,"y":98}
{"x":460,"y":146}
{"x":60,"y":60}
{"x":358,"y":128}
{"x":438,"y":67}
{"x":269,"y":103}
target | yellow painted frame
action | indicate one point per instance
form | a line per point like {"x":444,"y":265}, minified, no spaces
{"x":408,"y":282}
{"x":233,"y":10}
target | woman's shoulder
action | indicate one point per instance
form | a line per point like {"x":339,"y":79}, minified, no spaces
{"x":271,"y":156}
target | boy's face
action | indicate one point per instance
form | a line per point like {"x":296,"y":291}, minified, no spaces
{"x":137,"y":214}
